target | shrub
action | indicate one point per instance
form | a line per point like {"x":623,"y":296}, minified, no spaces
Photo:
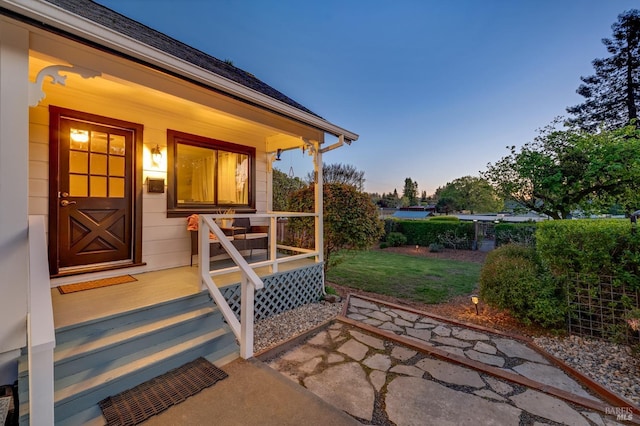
{"x":591,"y":248}
{"x":396,"y":239}
{"x":516,"y":233}
{"x":390,"y":225}
{"x":435,"y":247}
{"x":513,"y":278}
{"x":384,"y":245}
{"x":444,"y":219}
{"x":425,"y":232}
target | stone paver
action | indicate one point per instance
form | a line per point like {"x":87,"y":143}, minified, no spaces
{"x":466,"y":334}
{"x":402,"y":353}
{"x":485,"y":348}
{"x":551,"y":376}
{"x":378,"y":379}
{"x":442,"y":331}
{"x":368,"y":340}
{"x":414,"y":387}
{"x":420,"y":334}
{"x":548,"y":407}
{"x":500,"y":387}
{"x":485,"y":358}
{"x":451,"y":373}
{"x":514,"y":349}
{"x":345,"y":386}
{"x":378,"y":362}
{"x":354,"y":349}
{"x":406,"y":405}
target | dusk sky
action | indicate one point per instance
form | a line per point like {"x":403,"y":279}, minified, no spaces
{"x":435,"y":89}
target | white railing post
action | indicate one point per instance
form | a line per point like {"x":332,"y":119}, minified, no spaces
{"x":273,"y":242}
{"x":41,"y":339}
{"x":203,"y":250}
{"x":246,"y":318}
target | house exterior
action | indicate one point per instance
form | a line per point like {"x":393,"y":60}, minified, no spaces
{"x":112,"y":134}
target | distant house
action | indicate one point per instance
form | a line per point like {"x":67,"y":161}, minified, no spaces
{"x":415,"y":212}
{"x":111,"y":135}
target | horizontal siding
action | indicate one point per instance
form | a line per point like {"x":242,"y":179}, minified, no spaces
{"x":166,"y":242}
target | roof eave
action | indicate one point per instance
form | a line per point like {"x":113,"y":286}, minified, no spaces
{"x":66,"y":21}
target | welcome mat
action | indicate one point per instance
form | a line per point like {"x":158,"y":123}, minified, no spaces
{"x":134,"y":406}
{"x":88,"y":285}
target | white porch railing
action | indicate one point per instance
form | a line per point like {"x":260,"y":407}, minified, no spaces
{"x":273,"y":261}
{"x":250,"y":281}
{"x":41,"y":339}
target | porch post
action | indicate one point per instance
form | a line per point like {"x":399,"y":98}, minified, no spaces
{"x":14,"y":193}
{"x":247,"y":293}
{"x":319,"y":222}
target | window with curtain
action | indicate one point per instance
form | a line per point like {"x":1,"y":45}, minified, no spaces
{"x":208,"y":175}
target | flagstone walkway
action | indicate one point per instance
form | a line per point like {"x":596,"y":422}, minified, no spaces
{"x":379,"y":380}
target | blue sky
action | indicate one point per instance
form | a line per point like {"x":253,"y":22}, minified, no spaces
{"x":435,"y":89}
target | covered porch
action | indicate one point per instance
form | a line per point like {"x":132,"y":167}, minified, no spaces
{"x":150,"y":288}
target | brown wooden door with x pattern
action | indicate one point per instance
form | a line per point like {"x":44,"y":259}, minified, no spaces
{"x":93,"y":197}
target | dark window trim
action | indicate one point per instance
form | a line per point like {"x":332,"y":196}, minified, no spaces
{"x":173,"y":138}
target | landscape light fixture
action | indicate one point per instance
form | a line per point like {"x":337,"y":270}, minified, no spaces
{"x":156,"y":155}
{"x":475,"y":300}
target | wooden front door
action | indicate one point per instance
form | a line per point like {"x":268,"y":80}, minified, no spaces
{"x":93,"y":188}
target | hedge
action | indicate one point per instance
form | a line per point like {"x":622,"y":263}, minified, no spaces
{"x":454,"y":234}
{"x":518,"y":233}
{"x":590,"y":247}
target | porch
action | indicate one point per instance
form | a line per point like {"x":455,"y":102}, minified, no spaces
{"x":151,"y":288}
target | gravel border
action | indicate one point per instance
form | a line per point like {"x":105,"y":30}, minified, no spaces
{"x":613,"y":366}
{"x":281,"y":327}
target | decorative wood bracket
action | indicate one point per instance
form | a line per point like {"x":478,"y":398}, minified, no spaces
{"x":36,"y":93}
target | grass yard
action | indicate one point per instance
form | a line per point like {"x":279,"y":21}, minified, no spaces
{"x":420,"y":279}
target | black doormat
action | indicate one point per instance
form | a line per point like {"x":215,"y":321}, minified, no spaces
{"x":135,"y":405}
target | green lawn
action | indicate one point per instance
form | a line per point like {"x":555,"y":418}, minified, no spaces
{"x":409,"y":277}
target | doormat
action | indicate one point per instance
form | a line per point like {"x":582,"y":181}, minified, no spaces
{"x":88,"y":285}
{"x":136,"y":405}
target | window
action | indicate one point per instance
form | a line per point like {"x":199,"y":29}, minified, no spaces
{"x":207,"y":175}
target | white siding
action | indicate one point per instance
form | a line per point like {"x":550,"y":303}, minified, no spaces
{"x":165,"y":241}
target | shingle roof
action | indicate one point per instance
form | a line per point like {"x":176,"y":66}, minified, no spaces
{"x":140,"y":32}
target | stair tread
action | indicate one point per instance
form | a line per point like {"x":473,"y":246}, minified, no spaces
{"x":107,"y":377}
{"x":72,"y":349}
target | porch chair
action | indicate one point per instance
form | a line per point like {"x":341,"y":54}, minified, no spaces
{"x":242,"y":235}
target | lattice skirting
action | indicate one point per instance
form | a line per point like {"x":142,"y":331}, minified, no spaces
{"x":282,"y":291}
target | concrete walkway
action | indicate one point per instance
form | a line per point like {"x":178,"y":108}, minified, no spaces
{"x":253,"y":394}
{"x":386,"y":365}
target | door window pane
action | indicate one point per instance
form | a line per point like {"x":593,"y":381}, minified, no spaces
{"x":116,"y":145}
{"x":98,"y":164}
{"x":116,"y":187}
{"x":116,"y":166}
{"x":98,"y":186}
{"x":79,"y":139}
{"x":78,"y":162}
{"x":99,"y":142}
{"x":78,"y":186}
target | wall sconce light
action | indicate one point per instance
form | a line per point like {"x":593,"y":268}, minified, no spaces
{"x":475,"y":300}
{"x":278,"y":154}
{"x":156,"y":155}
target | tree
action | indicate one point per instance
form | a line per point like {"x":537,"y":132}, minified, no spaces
{"x":283,"y":187}
{"x":564,"y":170}
{"x":410,"y":192}
{"x":612,"y":94}
{"x":350,"y":219}
{"x":468,"y":193}
{"x":341,"y":173}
